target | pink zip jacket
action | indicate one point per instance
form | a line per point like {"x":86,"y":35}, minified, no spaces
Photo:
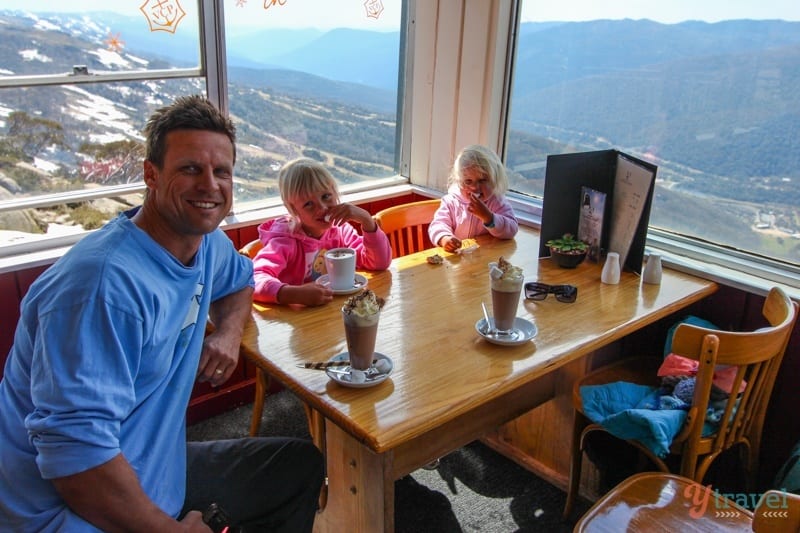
{"x":452,"y":218}
{"x":289,"y":256}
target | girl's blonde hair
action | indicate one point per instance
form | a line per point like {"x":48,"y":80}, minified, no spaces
{"x":304,"y":176}
{"x":484,"y":159}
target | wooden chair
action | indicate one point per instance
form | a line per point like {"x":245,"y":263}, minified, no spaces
{"x":757,"y":357}
{"x":653,"y":501}
{"x":250,"y":250}
{"x":406,"y":226}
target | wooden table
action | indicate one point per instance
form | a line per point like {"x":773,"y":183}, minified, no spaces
{"x":449,"y":386}
{"x":654,"y":501}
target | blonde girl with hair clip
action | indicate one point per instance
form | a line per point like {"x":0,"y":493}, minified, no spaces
{"x":286,"y":268}
{"x":475,"y":202}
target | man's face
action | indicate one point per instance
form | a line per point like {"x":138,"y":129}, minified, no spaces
{"x":193,"y":190}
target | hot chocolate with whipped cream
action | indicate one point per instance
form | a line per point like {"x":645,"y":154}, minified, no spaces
{"x":360,"y":313}
{"x":506,"y":281}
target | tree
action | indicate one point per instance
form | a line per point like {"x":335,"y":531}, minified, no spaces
{"x":112,"y":163}
{"x":31,"y":135}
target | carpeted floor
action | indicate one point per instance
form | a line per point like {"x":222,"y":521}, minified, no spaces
{"x":474,"y":489}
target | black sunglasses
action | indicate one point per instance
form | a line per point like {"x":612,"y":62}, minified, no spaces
{"x":539,"y":291}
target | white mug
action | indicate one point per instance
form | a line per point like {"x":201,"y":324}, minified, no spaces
{"x":340,"y":263}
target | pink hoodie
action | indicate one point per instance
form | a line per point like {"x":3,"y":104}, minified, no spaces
{"x":289,"y":256}
{"x":452,"y":218}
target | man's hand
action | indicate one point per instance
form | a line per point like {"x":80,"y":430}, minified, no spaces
{"x":193,"y":521}
{"x":219,"y":358}
{"x":220,"y":353}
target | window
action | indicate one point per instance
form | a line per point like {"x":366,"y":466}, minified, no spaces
{"x":709,"y":94}
{"x":313,"y":79}
{"x":75,"y":88}
{"x":78,"y":80}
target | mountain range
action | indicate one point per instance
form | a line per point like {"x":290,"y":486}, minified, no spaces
{"x":705,"y":92}
{"x":696,"y":89}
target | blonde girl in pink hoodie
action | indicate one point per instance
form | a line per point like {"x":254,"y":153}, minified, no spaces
{"x":291,"y":260}
{"x":475,"y":202}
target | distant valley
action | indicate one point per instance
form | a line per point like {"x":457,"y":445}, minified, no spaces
{"x":302,"y":91}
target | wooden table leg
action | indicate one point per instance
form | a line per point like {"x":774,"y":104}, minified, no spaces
{"x":316,"y":428}
{"x":360,"y":487}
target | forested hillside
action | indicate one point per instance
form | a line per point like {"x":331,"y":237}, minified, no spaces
{"x":715,"y":106}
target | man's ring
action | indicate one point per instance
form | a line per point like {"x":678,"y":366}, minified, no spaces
{"x":218,"y":371}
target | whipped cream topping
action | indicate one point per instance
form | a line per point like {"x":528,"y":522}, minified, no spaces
{"x":505,"y":276}
{"x":363,"y":308}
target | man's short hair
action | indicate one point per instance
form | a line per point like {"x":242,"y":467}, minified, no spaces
{"x":193,"y":112}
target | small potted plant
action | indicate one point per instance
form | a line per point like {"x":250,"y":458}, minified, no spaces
{"x":568,"y":251}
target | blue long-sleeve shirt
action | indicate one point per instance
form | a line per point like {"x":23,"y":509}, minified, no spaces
{"x":104,"y":360}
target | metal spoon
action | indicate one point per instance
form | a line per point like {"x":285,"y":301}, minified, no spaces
{"x":489,"y":328}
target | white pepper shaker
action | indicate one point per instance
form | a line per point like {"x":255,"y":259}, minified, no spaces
{"x":610,"y":273}
{"x":652,"y":270}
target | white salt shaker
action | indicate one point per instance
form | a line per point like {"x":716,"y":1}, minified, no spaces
{"x":610,"y":273}
{"x":652,"y":270}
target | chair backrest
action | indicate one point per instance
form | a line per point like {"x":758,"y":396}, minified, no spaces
{"x":756,"y":357}
{"x":406,"y":226}
{"x":251,"y":249}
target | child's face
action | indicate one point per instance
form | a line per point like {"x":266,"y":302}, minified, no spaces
{"x":475,"y":181}
{"x":311,"y":210}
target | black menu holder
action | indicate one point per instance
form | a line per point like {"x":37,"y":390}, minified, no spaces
{"x":628,"y":183}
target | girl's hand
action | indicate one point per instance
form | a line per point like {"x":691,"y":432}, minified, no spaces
{"x":479,"y":209}
{"x":309,"y":294}
{"x":341,"y":213}
{"x":450,"y":243}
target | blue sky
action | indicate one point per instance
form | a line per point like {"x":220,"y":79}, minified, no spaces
{"x":667,"y":11}
{"x":280,"y":13}
{"x":352,"y":13}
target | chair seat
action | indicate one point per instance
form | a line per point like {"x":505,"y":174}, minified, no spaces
{"x":654,"y":501}
{"x":639,"y":370}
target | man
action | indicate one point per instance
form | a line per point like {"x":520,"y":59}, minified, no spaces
{"x":108,"y":346}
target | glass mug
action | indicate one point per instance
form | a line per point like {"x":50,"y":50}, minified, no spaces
{"x":505,"y":300}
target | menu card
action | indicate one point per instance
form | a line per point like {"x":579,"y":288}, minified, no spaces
{"x":631,"y":187}
{"x":626,"y":182}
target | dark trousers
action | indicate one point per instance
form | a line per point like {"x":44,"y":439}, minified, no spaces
{"x":262,"y":484}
